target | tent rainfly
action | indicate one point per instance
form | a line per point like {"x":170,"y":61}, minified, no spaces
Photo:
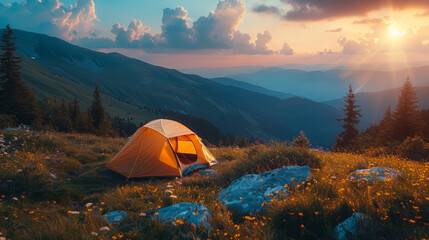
{"x":162,"y":147}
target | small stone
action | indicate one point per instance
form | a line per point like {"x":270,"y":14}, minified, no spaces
{"x":105,"y":228}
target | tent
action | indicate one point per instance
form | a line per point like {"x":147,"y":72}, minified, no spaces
{"x":162,"y":148}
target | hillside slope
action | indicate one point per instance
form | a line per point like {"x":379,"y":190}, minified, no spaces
{"x":232,"y":109}
{"x":44,"y":83}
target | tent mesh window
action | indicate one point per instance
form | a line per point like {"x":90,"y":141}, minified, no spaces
{"x":185,"y":150}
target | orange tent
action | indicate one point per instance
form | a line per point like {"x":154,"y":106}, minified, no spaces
{"x":162,"y":148}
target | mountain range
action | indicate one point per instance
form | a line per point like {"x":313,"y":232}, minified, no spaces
{"x":55,"y":67}
{"x":332,"y":84}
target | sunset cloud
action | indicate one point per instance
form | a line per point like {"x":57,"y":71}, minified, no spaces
{"x":315,"y":10}
{"x":267,"y":9}
{"x":334,"y":30}
{"x":50,"y":17}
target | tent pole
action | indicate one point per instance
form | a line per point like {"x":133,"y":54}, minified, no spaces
{"x":175,"y":156}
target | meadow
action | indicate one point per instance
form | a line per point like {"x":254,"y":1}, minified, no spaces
{"x":56,"y":186}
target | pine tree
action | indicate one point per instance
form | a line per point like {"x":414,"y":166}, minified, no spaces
{"x":74,"y":109}
{"x":384,"y":133}
{"x":405,"y":118}
{"x":96,"y":111}
{"x":15,"y":98}
{"x":345,"y":139}
{"x":301,"y":141}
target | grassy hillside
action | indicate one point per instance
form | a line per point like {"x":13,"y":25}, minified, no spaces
{"x":45,"y":83}
{"x":35,"y":205}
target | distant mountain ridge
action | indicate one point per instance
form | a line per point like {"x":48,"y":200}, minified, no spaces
{"x":232,"y":109}
{"x":332,"y":84}
{"x":251,"y":87}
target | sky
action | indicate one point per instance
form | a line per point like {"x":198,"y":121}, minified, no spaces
{"x":211,"y":33}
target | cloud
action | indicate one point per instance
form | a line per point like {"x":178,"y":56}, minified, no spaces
{"x":286,"y":49}
{"x":266,"y":9}
{"x":351,"y":47}
{"x":334,"y":30}
{"x":315,"y":10}
{"x":326,"y":51}
{"x":50,"y":17}
{"x":217,"y":30}
{"x":423,"y":14}
{"x":368,"y":21}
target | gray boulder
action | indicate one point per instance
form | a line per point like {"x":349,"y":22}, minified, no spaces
{"x":351,"y":227}
{"x":195,"y":213}
{"x":374,"y":174}
{"x":248,"y":193}
{"x":115,"y":216}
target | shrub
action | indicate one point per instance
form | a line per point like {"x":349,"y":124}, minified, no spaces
{"x":301,"y":141}
{"x":6,"y":120}
{"x":414,"y":148}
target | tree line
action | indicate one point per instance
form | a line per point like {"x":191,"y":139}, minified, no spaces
{"x":403,"y":130}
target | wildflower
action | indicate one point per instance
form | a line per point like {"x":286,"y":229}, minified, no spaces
{"x":168,"y":191}
{"x":169,"y":186}
{"x":173,"y":196}
{"x":105,"y":228}
{"x":249,"y":218}
{"x":88,"y":205}
{"x":142,"y":214}
{"x":73,"y":212}
{"x":15,"y":198}
{"x":156,"y":214}
{"x":94,"y":234}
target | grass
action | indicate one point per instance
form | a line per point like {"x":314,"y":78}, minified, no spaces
{"x":37,"y":205}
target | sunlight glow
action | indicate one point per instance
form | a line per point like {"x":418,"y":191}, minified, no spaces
{"x":395,"y":32}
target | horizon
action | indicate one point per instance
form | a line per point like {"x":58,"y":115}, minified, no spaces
{"x":185,"y":34}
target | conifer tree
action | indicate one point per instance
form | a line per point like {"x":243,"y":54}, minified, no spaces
{"x":74,"y":109}
{"x":384,"y":133}
{"x":405,"y":118}
{"x":15,"y":98}
{"x":301,"y":141}
{"x":96,"y":111}
{"x":345,"y":139}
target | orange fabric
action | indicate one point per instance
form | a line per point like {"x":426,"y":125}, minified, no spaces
{"x":156,"y":157}
{"x":149,"y":153}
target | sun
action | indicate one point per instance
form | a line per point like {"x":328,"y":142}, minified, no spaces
{"x":395,"y":32}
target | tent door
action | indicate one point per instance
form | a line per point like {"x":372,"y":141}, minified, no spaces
{"x":185,"y":149}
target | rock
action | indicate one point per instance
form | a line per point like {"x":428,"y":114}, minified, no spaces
{"x":374,"y":174}
{"x":351,"y":227}
{"x":193,"y":213}
{"x":105,"y":228}
{"x":115,"y":216}
{"x":248,"y":193}
{"x":208,"y":173}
